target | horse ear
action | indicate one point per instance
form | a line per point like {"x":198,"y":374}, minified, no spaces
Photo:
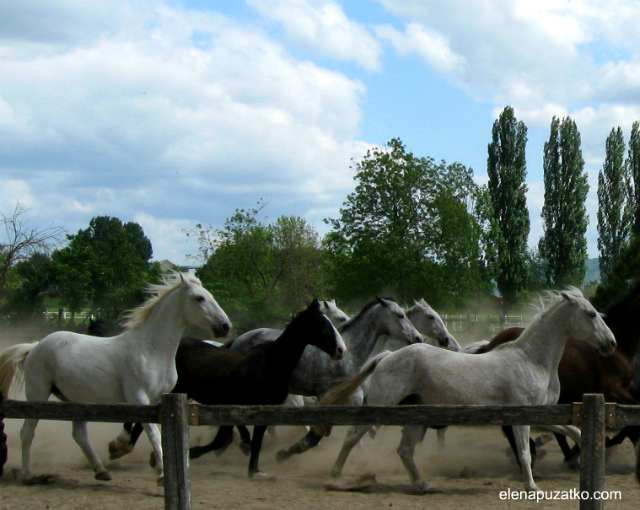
{"x":568,"y":296}
{"x":315,"y":304}
{"x":381,"y":301}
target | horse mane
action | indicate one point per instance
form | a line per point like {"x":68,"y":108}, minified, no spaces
{"x":135,"y":317}
{"x":346,"y":325}
{"x":549,"y":300}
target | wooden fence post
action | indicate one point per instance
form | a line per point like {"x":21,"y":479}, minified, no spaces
{"x":175,"y":451}
{"x":592,"y":458}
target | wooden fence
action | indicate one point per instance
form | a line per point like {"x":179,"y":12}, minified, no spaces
{"x":175,"y":415}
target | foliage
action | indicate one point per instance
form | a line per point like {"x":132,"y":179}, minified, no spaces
{"x":30,"y":280}
{"x":563,"y":247}
{"x":407,"y":229}
{"x":20,"y":242}
{"x":105,"y":267}
{"x":614,"y":207}
{"x":262,"y":273}
{"x":624,"y":274}
{"x":509,"y":224}
{"x":633,"y":169}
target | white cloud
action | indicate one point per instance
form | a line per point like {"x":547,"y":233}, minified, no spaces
{"x":171,"y":114}
{"x":323,"y":26}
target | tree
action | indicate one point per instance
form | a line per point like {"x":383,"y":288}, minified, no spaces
{"x":105,"y":267}
{"x":563,"y":247}
{"x":20,"y":242}
{"x":507,"y":170}
{"x":260,"y":272}
{"x":614,"y":208}
{"x":633,"y":169}
{"x":407,"y":229}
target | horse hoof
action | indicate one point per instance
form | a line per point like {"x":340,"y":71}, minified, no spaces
{"x":259,"y":475}
{"x":281,"y":456}
{"x":246,"y":448}
{"x":423,"y":487}
{"x":103,"y":475}
{"x":195,"y":452}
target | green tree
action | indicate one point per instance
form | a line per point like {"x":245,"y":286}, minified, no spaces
{"x":563,"y":247}
{"x":633,"y":169}
{"x":507,"y":170}
{"x":262,"y":273}
{"x":19,"y":241}
{"x":407,"y":229}
{"x":614,"y":208}
{"x":105,"y":267}
{"x":31,"y":280}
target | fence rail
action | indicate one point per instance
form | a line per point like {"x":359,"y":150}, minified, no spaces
{"x":175,"y":415}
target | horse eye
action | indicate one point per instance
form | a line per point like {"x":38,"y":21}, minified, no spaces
{"x":593,"y":315}
{"x":431,"y":317}
{"x":199,"y":299}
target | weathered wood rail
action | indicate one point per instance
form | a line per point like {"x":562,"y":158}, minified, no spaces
{"x":175,"y":415}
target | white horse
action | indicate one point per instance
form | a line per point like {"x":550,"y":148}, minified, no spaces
{"x":135,"y":367}
{"x":331,"y":310}
{"x":523,"y":372}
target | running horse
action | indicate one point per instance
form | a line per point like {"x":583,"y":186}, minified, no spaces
{"x":582,"y":370}
{"x":134,"y":367}
{"x":523,"y":372}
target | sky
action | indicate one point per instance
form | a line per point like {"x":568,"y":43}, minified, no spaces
{"x":171,"y":113}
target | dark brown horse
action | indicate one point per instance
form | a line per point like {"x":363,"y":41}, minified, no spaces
{"x":582,"y":370}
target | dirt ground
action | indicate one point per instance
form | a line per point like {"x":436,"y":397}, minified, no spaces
{"x":469,"y":473}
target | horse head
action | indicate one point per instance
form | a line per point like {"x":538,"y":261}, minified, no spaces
{"x":430,"y":324}
{"x":321,"y":332}
{"x":586,"y":323}
{"x":397,"y":323}
{"x":201,"y":309}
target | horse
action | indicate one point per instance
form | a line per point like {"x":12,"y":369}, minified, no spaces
{"x":134,"y":367}
{"x":128,"y":437}
{"x":582,"y":370}
{"x":313,"y":376}
{"x":212,"y":375}
{"x":523,"y":372}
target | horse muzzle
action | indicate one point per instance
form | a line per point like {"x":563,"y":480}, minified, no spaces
{"x":221,"y":330}
{"x":609,"y":348}
{"x":338,"y":354}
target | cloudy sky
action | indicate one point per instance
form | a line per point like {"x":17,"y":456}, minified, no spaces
{"x":176,"y":112}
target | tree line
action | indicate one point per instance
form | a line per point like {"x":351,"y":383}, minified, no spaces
{"x":413,"y":227}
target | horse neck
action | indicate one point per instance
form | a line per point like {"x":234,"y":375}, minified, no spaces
{"x":164,"y":327}
{"x":362,"y":335}
{"x":287,"y":349}
{"x":545,"y":339}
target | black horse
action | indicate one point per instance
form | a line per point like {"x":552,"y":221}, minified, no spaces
{"x":260,"y":376}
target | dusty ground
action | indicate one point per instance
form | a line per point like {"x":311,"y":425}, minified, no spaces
{"x":470,"y":473}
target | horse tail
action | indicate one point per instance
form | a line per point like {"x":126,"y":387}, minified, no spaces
{"x":12,"y":364}
{"x":340,"y":393}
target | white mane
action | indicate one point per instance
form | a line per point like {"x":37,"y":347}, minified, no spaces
{"x":137,"y":316}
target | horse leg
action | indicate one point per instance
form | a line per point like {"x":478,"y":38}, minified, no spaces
{"x":153,"y":433}
{"x":256,"y":446}
{"x":27,"y":433}
{"x":310,"y":440}
{"x":79,"y":433}
{"x":533,"y":448}
{"x":125,"y":442}
{"x":352,"y":438}
{"x":221,"y":441}
{"x":412,"y":435}
{"x":441,"y":435}
{"x":245,"y":439}
{"x":522,"y":436}
{"x":571,"y":455}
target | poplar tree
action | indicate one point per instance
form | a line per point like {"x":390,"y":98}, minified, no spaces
{"x":614,"y":209}
{"x":507,"y":170}
{"x":633,"y":168}
{"x":563,"y":247}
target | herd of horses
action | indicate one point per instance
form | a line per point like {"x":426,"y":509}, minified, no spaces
{"x":567,"y":349}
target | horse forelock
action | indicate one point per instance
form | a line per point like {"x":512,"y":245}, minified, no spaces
{"x":157,"y":292}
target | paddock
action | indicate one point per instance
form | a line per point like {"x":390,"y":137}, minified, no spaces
{"x":207,"y":482}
